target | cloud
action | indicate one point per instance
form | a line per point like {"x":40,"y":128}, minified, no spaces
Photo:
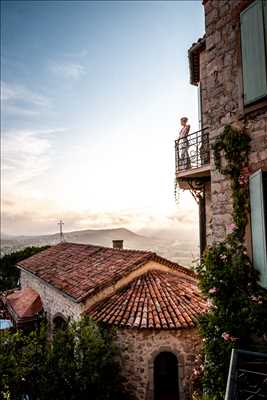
{"x":79,"y":54}
{"x":20,"y":111}
{"x":28,"y":214}
{"x":67,"y":70}
{"x":22,"y":101}
{"x":13,"y":92}
{"x":25,"y":155}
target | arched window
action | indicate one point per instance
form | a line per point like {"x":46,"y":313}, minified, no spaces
{"x":59,"y":322}
{"x":166,"y":382}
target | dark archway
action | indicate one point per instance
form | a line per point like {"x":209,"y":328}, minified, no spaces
{"x":59,"y":322}
{"x":166,"y":386}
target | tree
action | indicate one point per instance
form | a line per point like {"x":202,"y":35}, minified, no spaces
{"x":79,"y":362}
{"x":9,"y":274}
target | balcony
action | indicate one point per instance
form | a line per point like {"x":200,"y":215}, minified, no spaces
{"x":192,"y":156}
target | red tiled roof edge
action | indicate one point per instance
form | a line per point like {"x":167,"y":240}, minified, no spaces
{"x":150,"y":256}
{"x":133,"y":267}
{"x":98,"y":246}
{"x":174,"y":265}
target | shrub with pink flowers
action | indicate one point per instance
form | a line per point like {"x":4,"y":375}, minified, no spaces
{"x":237,"y":304}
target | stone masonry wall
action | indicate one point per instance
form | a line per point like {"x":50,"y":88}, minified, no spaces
{"x":53,"y":301}
{"x":140,"y":347}
{"x":224,"y":101}
{"x":208,"y":210}
{"x":204,"y":94}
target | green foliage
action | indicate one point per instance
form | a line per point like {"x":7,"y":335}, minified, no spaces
{"x":22,"y":362}
{"x":237,"y":304}
{"x":79,"y":362}
{"x":232,"y":148}
{"x":234,"y":145}
{"x":9,"y":274}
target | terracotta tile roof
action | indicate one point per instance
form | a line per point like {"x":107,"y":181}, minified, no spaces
{"x":81,"y":270}
{"x":24,"y":304}
{"x":158,"y":300}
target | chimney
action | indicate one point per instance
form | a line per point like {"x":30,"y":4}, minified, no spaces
{"x":117,"y":244}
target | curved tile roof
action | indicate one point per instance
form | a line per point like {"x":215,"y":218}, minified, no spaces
{"x":81,"y":270}
{"x":158,"y":300}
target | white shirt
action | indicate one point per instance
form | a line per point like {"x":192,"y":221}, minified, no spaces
{"x":184,"y":131}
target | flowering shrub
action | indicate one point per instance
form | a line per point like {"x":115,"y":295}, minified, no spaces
{"x":237,"y":305}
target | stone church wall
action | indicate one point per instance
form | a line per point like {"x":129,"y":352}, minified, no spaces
{"x":54,"y":302}
{"x":139,"y":349}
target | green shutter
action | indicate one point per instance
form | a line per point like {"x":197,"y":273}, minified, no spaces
{"x":253,"y":52}
{"x":258,"y":228}
{"x":265,"y":23}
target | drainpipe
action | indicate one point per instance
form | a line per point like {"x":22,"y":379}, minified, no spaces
{"x":202,"y":223}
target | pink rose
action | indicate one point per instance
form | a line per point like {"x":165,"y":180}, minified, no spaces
{"x":257,"y":299}
{"x":213,"y":290}
{"x":231,"y":227}
{"x":226,"y":336}
{"x":243,"y":180}
{"x":245,"y":171}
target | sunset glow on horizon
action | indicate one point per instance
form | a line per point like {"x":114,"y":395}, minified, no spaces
{"x":91,"y":97}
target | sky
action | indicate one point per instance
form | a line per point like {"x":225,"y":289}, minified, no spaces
{"x":91,"y":97}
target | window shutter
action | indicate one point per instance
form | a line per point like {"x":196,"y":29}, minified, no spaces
{"x":253,"y":52}
{"x":265,"y":23}
{"x":258,"y":228}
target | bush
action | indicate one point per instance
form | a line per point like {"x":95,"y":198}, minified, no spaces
{"x":79,"y":361}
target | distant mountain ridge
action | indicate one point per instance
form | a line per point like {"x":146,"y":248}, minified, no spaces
{"x":180,"y":252}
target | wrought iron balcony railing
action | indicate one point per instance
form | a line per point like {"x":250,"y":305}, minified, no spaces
{"x":247,"y":378}
{"x":192,"y":151}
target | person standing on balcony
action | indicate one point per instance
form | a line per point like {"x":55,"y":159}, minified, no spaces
{"x":184,"y":160}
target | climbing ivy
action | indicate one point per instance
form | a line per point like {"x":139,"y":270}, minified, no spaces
{"x":237,"y":305}
{"x":231,"y":151}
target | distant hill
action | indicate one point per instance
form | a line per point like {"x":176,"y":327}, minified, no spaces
{"x":179,"y":251}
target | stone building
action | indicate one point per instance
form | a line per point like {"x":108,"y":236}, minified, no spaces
{"x":152,"y":301}
{"x":229,"y":67}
